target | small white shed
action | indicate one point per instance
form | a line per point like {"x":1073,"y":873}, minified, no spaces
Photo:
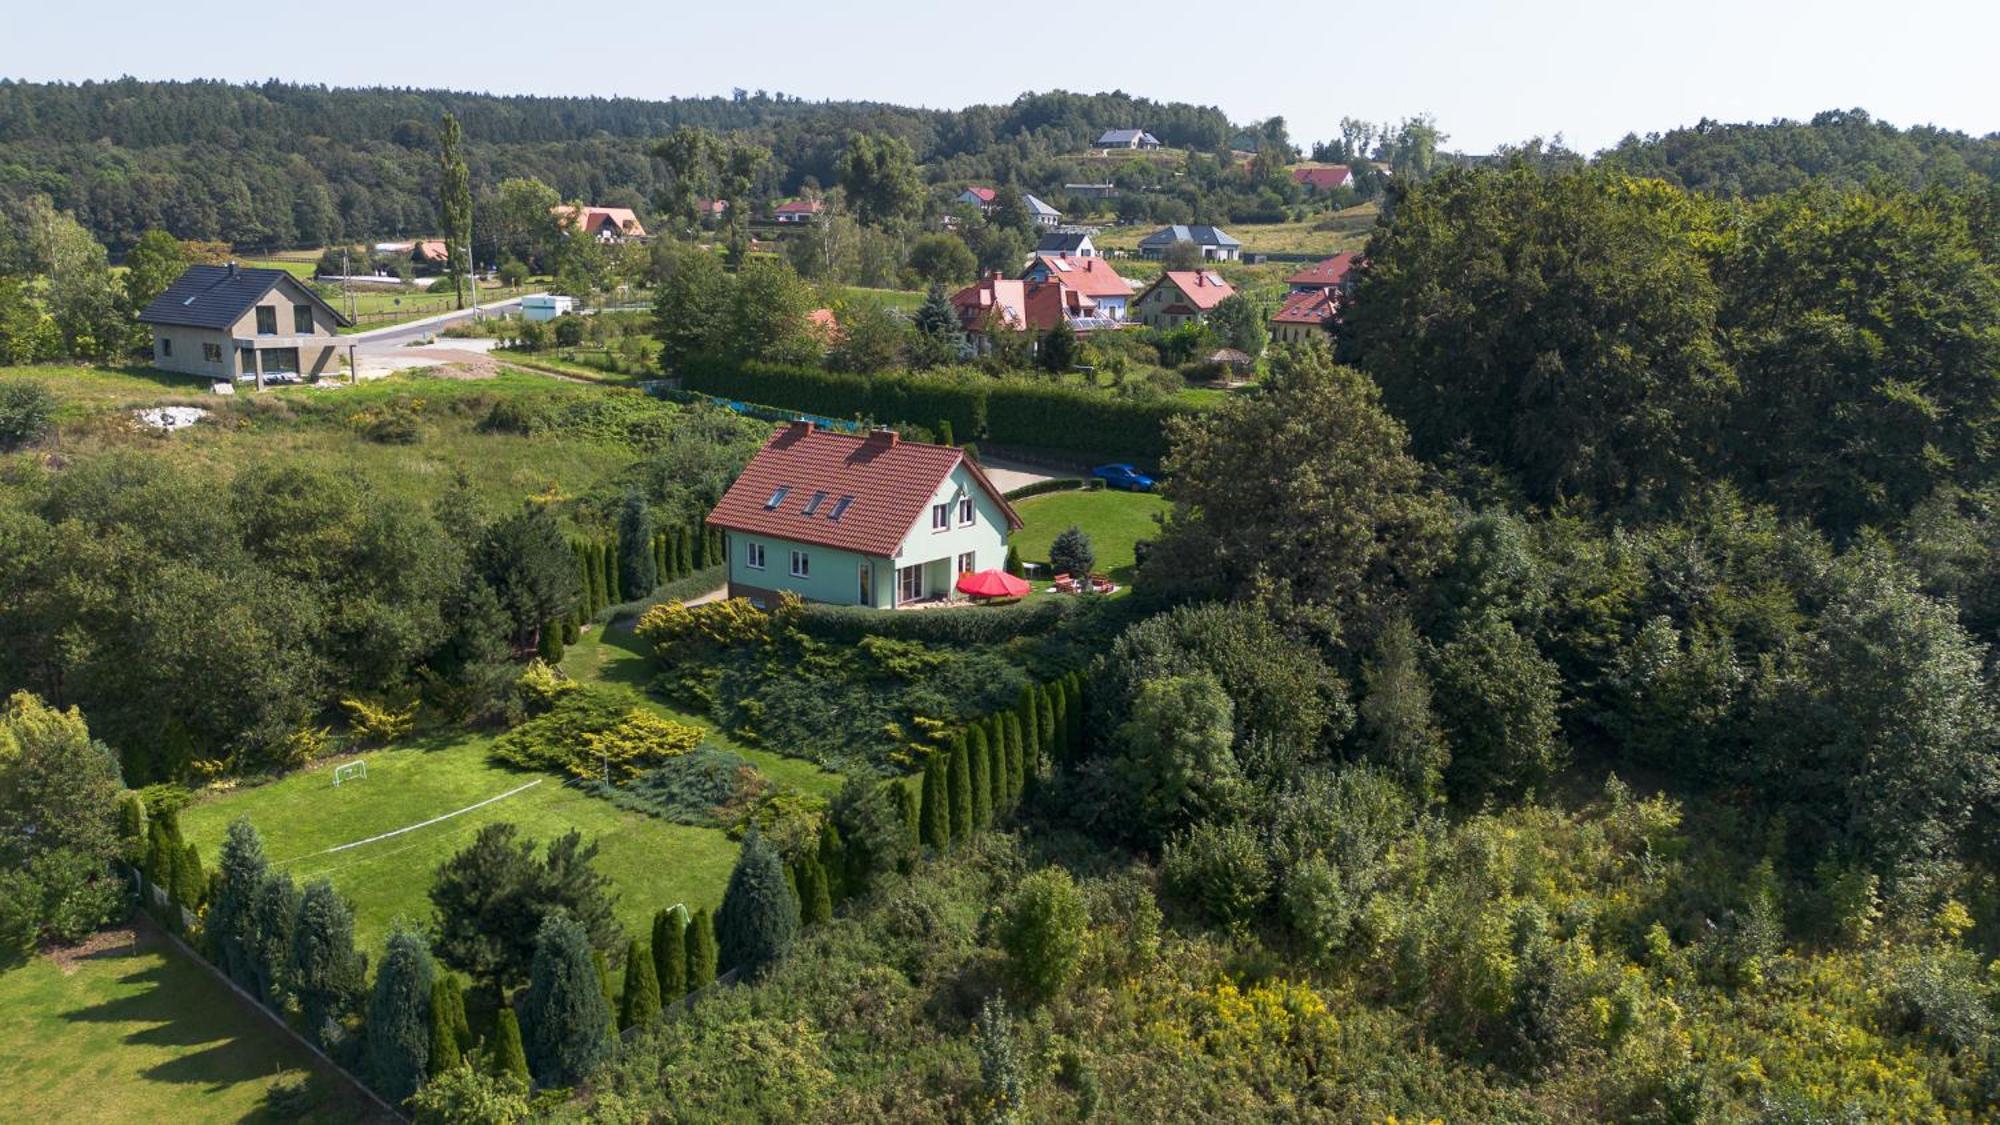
{"x":545,"y":306}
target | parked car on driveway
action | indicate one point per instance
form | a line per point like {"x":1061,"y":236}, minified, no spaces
{"x":1123,"y":476}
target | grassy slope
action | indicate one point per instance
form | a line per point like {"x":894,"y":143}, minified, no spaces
{"x":650,"y":862}
{"x":1113,"y":520}
{"x":141,"y":1034}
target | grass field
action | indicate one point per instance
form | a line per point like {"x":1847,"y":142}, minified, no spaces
{"x":904,"y":299}
{"x":1113,"y":520}
{"x":1318,"y":234}
{"x":304,"y":424}
{"x":123,"y":1032}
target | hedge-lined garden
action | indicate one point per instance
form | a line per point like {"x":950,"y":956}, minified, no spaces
{"x":1036,"y":413}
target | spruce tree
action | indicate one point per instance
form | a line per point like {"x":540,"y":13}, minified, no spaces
{"x":327,"y":973}
{"x":274,"y":915}
{"x":447,"y":1013}
{"x":959,"y":775}
{"x":397,"y":1049}
{"x":759,"y":918}
{"x":508,"y":1055}
{"x":701,"y":950}
{"x":670,"y":954}
{"x":243,"y":868}
{"x":979,"y":757}
{"x":640,"y":1002}
{"x":934,"y":818}
{"x":566,"y":1021}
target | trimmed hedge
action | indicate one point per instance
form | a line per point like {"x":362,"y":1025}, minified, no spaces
{"x":1055,"y":484}
{"x":1028,"y":412}
{"x":971,"y":625}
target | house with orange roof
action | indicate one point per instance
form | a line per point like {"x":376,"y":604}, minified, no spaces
{"x":1317,"y":180}
{"x":798,"y":211}
{"x":605,"y":224}
{"x":1306,"y":315}
{"x":1329,"y":274}
{"x":1092,"y":277}
{"x":992,"y":302}
{"x":1179,"y":297}
{"x":859,"y":519}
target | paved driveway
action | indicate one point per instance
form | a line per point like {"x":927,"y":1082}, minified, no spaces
{"x":1009,"y":475}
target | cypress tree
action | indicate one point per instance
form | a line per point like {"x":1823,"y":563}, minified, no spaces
{"x":1075,"y":688}
{"x":945,"y":436}
{"x":638,"y":569}
{"x":1016,"y":759}
{"x":327,"y":973}
{"x":979,"y":757}
{"x":833,"y":860}
{"x":593,"y":574}
{"x":958,"y":776}
{"x":242,"y":868}
{"x":132,"y":828}
{"x":572,"y":629}
{"x":1059,"y":726}
{"x":508,"y":1055}
{"x":1031,"y":731}
{"x":996,"y":768}
{"x":714,"y":547}
{"x":1045,"y":715}
{"x":566,"y":1021}
{"x":907,"y":811}
{"x":684,"y":551}
{"x":445,"y":1053}
{"x":935,"y":816}
{"x":397,"y":1049}
{"x":698,"y":537}
{"x":659,"y":548}
{"x":670,"y":953}
{"x":760,"y":915}
{"x":548,"y":642}
{"x":701,"y":950}
{"x":603,"y":967}
{"x":614,"y":591}
{"x":190,"y":881}
{"x":815,"y":897}
{"x":640,"y":1002}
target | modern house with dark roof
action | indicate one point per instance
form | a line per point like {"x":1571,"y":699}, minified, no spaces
{"x":1216,"y":244}
{"x":859,"y":519}
{"x":1127,"y":138}
{"x":1065,"y":244}
{"x":229,"y":323}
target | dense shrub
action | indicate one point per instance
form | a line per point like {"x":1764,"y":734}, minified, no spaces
{"x":589,"y":732}
{"x":973,"y":625}
{"x":706,"y":787}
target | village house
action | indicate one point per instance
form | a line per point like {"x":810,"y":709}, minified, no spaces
{"x":1128,"y":138}
{"x":859,"y":519}
{"x":1306,"y":315}
{"x":1328,"y":274}
{"x":1179,"y":297}
{"x":797,"y":211}
{"x":1066,"y":244}
{"x":1317,"y":180}
{"x":711,"y":210}
{"x":232,"y":324}
{"x":605,"y":224}
{"x":1043,"y":214}
{"x":992,"y":303}
{"x":1216,"y":244}
{"x":1092,"y":277}
{"x":1090,"y":191}
{"x":976,"y":196}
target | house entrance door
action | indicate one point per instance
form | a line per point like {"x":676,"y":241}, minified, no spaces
{"x":867,"y":585}
{"x":910,"y":584}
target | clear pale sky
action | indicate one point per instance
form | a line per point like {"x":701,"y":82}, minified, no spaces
{"x":1591,"y":70}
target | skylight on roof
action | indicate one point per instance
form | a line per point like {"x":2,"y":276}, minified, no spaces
{"x":1062,"y":265}
{"x":777,"y":497}
{"x":840,"y":507}
{"x":813,"y":504}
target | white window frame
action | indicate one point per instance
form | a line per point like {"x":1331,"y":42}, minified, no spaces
{"x":968,"y":512}
{"x":801,"y":565}
{"x":968,"y":561}
{"x":941,"y":517}
{"x":753,"y":556}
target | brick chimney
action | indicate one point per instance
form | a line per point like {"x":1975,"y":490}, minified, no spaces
{"x":800,"y":427}
{"x":232,"y":267}
{"x":885,"y":435}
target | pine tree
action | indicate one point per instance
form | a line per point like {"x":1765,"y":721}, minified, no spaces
{"x":639,"y":1004}
{"x":959,"y":776}
{"x":447,"y":1015}
{"x":935,"y":815}
{"x":701,"y":950}
{"x":670,"y":953}
{"x":978,"y":755}
{"x":508,"y":1054}
{"x":397,"y":1050}
{"x":242,"y":868}
{"x":760,"y":915}
{"x":566,"y":1021}
{"x":327,"y":974}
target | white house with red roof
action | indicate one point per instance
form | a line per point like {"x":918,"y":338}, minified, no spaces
{"x":1328,"y":274}
{"x":977,"y":196}
{"x":1318,"y":180}
{"x":1306,"y":315}
{"x":605,"y":224}
{"x":1179,"y":297}
{"x":798,"y":211}
{"x":1092,"y":277}
{"x":859,"y":519}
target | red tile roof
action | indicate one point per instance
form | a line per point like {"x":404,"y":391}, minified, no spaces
{"x":990,"y":296}
{"x":1092,"y":277}
{"x":798,"y":207}
{"x":983,"y":194}
{"x":430,"y":250}
{"x":1329,"y":274}
{"x":1323,"y":179}
{"x":1049,"y":303}
{"x":591,"y":220}
{"x":892,"y":482}
{"x":1203,"y":289}
{"x":1315,"y":307}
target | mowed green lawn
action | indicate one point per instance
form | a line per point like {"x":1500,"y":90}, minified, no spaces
{"x":1113,"y":520}
{"x":140,"y":1033}
{"x":650,"y":862}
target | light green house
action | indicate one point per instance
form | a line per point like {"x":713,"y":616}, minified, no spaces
{"x":859,"y":519}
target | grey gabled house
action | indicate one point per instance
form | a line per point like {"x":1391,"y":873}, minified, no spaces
{"x":1216,"y":244}
{"x":234,"y":324}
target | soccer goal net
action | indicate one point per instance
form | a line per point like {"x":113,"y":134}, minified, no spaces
{"x":352,"y":771}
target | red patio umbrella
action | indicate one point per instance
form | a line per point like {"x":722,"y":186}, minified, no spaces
{"x":991,"y":584}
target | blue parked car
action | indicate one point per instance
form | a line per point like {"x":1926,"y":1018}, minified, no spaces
{"x":1123,"y":476}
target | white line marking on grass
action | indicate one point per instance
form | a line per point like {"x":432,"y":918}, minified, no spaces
{"x":419,"y":824}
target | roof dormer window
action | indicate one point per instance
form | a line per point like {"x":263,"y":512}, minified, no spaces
{"x":777,"y":497}
{"x":840,"y":507}
{"x":813,"y":504}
